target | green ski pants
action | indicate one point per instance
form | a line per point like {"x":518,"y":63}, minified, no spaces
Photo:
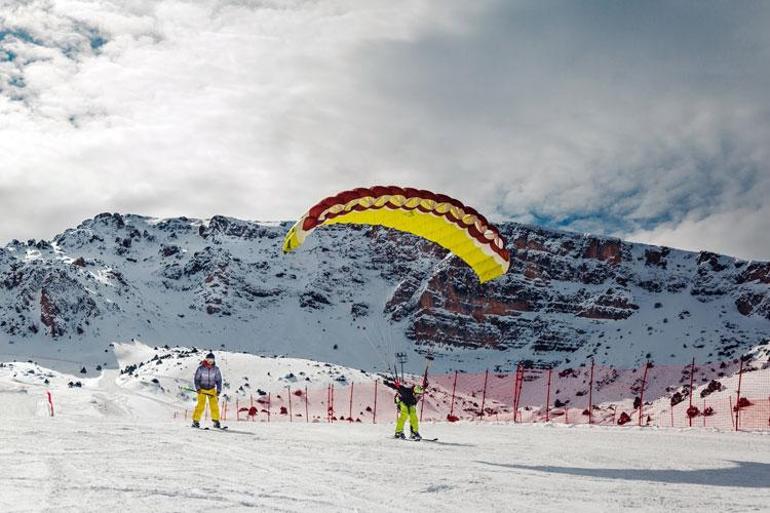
{"x":407,"y":411}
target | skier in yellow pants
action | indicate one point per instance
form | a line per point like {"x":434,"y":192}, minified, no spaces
{"x":406,"y":401}
{"x":411,"y":412}
{"x":200,"y":406}
{"x":208,"y":383}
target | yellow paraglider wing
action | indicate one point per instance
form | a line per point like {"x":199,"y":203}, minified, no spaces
{"x":435,"y":217}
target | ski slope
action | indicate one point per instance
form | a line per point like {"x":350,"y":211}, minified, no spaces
{"x":90,"y":465}
{"x":114,"y":444}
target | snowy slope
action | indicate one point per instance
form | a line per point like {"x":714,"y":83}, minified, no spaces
{"x":155,"y":384}
{"x":71,"y":465}
{"x":355,"y":296}
{"x":114,"y":444}
{"x":151,"y":383}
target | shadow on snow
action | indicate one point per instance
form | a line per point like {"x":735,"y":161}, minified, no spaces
{"x":743,"y":474}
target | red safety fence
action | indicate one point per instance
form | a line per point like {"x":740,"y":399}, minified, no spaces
{"x":730,"y":395}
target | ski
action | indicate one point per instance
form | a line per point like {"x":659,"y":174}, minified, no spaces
{"x":209,"y":428}
{"x":233,"y":431}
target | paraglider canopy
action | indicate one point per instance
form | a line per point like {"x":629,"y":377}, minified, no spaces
{"x":436,"y":217}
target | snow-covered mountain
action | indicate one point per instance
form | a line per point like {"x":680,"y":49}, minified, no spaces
{"x":355,"y":295}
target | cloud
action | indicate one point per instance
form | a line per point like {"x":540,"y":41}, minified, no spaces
{"x":610,"y":117}
{"x":648,"y":120}
{"x":721,"y":233}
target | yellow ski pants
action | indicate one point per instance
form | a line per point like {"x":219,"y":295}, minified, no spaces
{"x":407,"y":411}
{"x":211,"y":394}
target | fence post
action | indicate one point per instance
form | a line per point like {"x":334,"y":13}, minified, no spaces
{"x":692,"y":376}
{"x":50,"y":401}
{"x":307,"y":415}
{"x":704,"y":412}
{"x":513,"y":392}
{"x":519,"y":388}
{"x":732,"y":418}
{"x":350,"y":411}
{"x":332,"y":403}
{"x":484,"y":394}
{"x":641,"y":392}
{"x":268,"y":407}
{"x":591,"y":394}
{"x":237,"y":410}
{"x":738,"y":399}
{"x":374,"y":412}
{"x":548,"y":397}
{"x":452,"y":404}
{"x":290,"y":413}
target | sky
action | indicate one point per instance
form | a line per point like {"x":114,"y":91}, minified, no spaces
{"x":644,"y":120}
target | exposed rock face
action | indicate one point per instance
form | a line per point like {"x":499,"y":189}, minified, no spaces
{"x":62,"y":302}
{"x":557,"y":276}
{"x":755,"y":272}
{"x":603,"y":250}
{"x":566,"y":295}
{"x":610,"y":305}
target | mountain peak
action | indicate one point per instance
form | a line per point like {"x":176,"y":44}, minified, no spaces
{"x":356,"y":294}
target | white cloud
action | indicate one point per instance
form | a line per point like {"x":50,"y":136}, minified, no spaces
{"x":719,"y":233}
{"x":638,"y":119}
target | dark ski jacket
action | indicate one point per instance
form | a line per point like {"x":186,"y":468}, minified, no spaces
{"x":406,"y":394}
{"x":208,"y":376}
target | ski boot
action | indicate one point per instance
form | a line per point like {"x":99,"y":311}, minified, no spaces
{"x":416,"y":436}
{"x":217,"y":425}
{"x":400,"y":434}
{"x":196,"y":424}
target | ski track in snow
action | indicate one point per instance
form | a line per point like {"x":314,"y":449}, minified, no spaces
{"x":65,"y":464}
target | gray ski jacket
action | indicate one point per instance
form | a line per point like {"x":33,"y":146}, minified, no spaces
{"x":208,"y":377}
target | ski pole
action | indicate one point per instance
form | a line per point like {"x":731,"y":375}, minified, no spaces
{"x":188,"y":389}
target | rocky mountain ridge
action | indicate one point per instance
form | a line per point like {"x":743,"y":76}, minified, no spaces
{"x":355,"y":295}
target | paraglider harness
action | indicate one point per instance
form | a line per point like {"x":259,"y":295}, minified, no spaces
{"x":408,"y":394}
{"x":405,"y":394}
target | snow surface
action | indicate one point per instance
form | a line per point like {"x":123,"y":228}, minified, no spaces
{"x":90,"y":465}
{"x":114,"y":442}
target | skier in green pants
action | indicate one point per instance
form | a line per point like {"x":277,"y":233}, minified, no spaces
{"x":406,"y":402}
